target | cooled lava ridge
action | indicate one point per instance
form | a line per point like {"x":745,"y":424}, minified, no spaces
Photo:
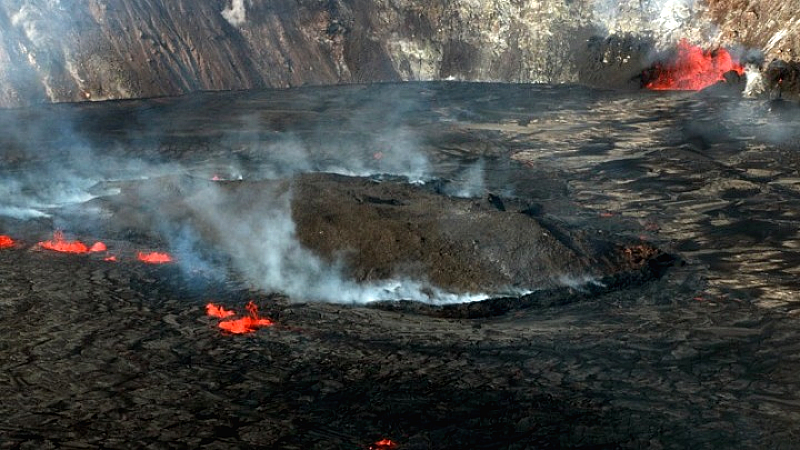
{"x":652,"y":264}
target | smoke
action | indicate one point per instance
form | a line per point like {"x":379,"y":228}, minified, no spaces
{"x":264,"y":248}
{"x":260,"y":236}
{"x":579,"y":282}
{"x":470,"y":183}
{"x":61,"y":170}
{"x":352,"y":146}
{"x":235,"y":14}
{"x":27,"y":197}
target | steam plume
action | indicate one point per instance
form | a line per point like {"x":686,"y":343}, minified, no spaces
{"x":235,"y":14}
{"x":265,"y":249}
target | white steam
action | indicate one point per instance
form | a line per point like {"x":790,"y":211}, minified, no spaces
{"x":235,"y":14}
{"x":755,"y":82}
{"x":579,"y":282}
{"x":28,"y":198}
{"x":264,"y":248}
{"x":470,"y":183}
{"x":393,"y":150}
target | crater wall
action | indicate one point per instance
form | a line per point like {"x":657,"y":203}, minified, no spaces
{"x":73,"y":50}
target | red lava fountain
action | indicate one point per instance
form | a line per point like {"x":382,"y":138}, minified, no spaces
{"x":154,"y":257}
{"x":238,"y":326}
{"x":6,"y":241}
{"x":59,"y":244}
{"x":692,"y":69}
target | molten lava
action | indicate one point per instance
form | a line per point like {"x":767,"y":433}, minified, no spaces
{"x":6,"y":241}
{"x":383,"y":444}
{"x":60,"y":244}
{"x":218,"y":311}
{"x":238,"y":326}
{"x":98,"y":247}
{"x":154,"y":257}
{"x":692,"y":69}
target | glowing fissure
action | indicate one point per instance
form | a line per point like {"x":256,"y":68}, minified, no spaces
{"x":243,"y":325}
{"x":693,"y":69}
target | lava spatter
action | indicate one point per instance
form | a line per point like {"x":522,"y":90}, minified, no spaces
{"x":154,"y":257}
{"x":692,"y":69}
{"x":219,"y":312}
{"x":98,"y":247}
{"x":63,"y":245}
{"x":243,"y":325}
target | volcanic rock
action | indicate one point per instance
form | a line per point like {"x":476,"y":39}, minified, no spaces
{"x":383,"y":229}
{"x":144,"y":48}
{"x":121,"y":354}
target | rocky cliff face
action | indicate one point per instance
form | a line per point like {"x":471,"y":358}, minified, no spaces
{"x":71,"y":50}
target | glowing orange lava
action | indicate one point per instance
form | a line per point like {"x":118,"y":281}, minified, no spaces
{"x":98,"y":247}
{"x":218,"y":311}
{"x":154,"y":257}
{"x":383,"y":444}
{"x":239,"y":326}
{"x":6,"y":241}
{"x":111,"y":258}
{"x":692,"y":69}
{"x":59,"y":244}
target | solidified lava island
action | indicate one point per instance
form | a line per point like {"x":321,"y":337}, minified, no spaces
{"x":401,"y":266}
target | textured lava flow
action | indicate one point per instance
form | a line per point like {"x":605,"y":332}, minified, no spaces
{"x":693,"y":69}
{"x":154,"y":257}
{"x":60,"y":244}
{"x":238,"y":326}
{"x":6,"y":241}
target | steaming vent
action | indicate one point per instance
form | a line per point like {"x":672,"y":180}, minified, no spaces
{"x":331,"y":237}
{"x":353,"y":219}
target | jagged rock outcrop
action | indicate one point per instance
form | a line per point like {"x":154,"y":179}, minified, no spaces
{"x":71,"y":50}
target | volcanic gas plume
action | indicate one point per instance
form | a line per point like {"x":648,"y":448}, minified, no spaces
{"x":692,"y":69}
